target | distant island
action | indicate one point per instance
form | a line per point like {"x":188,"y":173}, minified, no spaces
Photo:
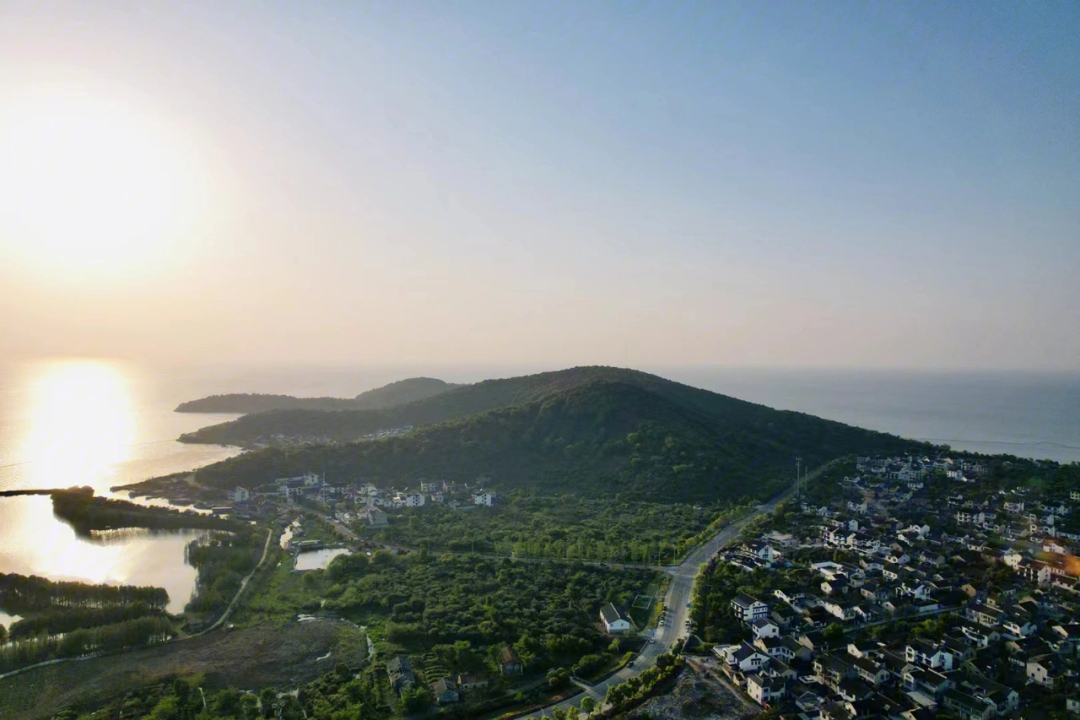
{"x":396,"y":393}
{"x":596,"y":431}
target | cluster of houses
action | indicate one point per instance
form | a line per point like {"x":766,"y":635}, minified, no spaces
{"x":446,"y":689}
{"x":811,"y":650}
{"x":363,"y":501}
{"x":1015,"y":514}
{"x":910,"y":468}
{"x":286,"y":440}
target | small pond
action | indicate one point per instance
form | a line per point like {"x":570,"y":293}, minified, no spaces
{"x":318,"y":559}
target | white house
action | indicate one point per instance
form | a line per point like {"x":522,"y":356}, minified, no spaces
{"x":747,"y":658}
{"x":414,"y":499}
{"x":484,"y":498}
{"x":748,"y":609}
{"x":240,"y":494}
{"x":375,"y":517}
{"x":764,"y":628}
{"x":1019,"y":628}
{"x":843,"y":611}
{"x":613,"y":621}
{"x":929,"y":655}
{"x":1041,"y":670}
{"x":765,"y":690}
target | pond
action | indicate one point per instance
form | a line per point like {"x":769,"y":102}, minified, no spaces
{"x":318,"y":559}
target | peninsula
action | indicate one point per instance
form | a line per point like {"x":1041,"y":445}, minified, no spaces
{"x":396,"y":393}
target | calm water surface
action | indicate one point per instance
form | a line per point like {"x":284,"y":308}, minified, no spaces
{"x":96,"y":423}
{"x":318,"y":559}
{"x":1035,"y":415}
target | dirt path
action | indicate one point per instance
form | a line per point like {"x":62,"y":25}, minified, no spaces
{"x":243,"y":586}
{"x":224,"y":616}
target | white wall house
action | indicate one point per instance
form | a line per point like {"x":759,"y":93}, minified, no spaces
{"x":748,"y":609}
{"x":613,"y":621}
{"x":765,"y":690}
{"x":764,"y":628}
{"x":484,"y":498}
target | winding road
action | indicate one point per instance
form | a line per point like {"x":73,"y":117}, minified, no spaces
{"x":678,"y":597}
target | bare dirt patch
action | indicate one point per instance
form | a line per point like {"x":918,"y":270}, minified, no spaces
{"x":248,"y":658}
{"x":693,"y":697}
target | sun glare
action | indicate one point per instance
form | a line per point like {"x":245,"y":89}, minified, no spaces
{"x":91,"y":188}
{"x":81,"y":425}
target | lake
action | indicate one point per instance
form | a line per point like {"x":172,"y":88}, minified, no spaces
{"x":96,"y":423}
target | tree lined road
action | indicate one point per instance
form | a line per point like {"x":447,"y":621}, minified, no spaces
{"x":679,"y":593}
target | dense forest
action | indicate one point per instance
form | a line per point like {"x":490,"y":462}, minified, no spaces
{"x":396,"y":393}
{"x":222,"y":560}
{"x":56,"y":622}
{"x":83,"y":511}
{"x":82,"y":641}
{"x":564,"y":527}
{"x":469,"y":400}
{"x":21,"y":595}
{"x":420,"y":601}
{"x":70,"y":619}
{"x":602,"y":433}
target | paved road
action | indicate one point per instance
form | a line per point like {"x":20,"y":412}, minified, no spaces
{"x":677,"y":597}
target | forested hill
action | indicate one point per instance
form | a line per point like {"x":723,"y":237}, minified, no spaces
{"x":457,"y":403}
{"x":396,"y":393}
{"x":601,"y":432}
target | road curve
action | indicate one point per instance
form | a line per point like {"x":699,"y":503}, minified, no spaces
{"x":678,"y":596}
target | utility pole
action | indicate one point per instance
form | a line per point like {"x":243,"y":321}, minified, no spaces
{"x":798,"y":479}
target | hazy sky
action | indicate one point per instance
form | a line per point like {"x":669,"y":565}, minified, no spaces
{"x":638,"y":183}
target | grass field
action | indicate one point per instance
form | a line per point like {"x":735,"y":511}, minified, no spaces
{"x":646,"y":606}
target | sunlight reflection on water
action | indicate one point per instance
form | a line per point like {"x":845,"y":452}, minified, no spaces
{"x":75,"y":422}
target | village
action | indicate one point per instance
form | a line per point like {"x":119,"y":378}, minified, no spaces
{"x":359,"y":502}
{"x":908,"y":587}
{"x":912,"y":588}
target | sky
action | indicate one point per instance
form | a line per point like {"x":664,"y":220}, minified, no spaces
{"x":793,"y":184}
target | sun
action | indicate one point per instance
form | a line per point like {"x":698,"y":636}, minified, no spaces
{"x":90,"y":187}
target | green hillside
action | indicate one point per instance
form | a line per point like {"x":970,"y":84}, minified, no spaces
{"x":463,"y":401}
{"x":592,"y":431}
{"x":396,"y":393}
